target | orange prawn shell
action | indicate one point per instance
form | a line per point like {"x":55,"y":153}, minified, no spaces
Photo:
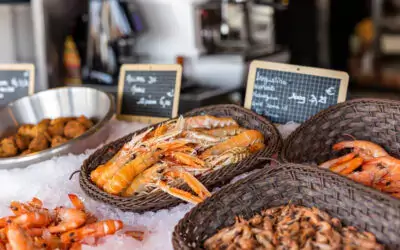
{"x":98,"y":229}
{"x":245,"y":139}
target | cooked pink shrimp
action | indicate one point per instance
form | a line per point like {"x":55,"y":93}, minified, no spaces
{"x":366,"y":149}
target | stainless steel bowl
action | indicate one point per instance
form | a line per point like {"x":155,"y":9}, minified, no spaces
{"x":60,"y":102}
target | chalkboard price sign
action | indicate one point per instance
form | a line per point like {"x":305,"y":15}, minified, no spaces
{"x":149,"y":93}
{"x":16,"y":81}
{"x":284,"y":93}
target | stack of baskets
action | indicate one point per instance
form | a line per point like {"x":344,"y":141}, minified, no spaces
{"x":353,"y":203}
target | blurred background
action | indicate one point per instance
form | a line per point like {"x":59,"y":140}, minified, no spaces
{"x":86,"y":41}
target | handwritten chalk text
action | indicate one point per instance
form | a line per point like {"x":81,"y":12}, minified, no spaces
{"x":152,"y":79}
{"x":264,"y":87}
{"x":265,"y":97}
{"x":170,"y":93}
{"x":133,"y":79}
{"x":330,"y":91}
{"x":266,"y":79}
{"x":270,"y":106}
{"x":300,"y":99}
{"x":271,"y":114}
{"x":145,"y":102}
{"x":135,"y":89}
{"x":165,"y":102}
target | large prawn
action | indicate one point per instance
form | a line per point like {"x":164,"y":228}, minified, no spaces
{"x":367,"y":150}
{"x":153,"y":177}
{"x":129,"y":171}
{"x":208,"y":122}
{"x":104,"y":172}
{"x":246,"y":139}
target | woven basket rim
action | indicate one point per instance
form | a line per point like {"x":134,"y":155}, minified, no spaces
{"x":118,"y":201}
{"x":322,"y":114}
{"x":283,"y":168}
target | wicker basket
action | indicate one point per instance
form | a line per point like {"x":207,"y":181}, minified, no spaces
{"x":365,"y":119}
{"x":304,"y":185}
{"x":160,"y":200}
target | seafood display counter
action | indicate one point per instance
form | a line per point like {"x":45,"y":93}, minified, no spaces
{"x":45,"y":200}
{"x":210,"y":179}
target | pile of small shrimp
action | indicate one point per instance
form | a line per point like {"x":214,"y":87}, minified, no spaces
{"x":175,"y":152}
{"x":369,"y":164}
{"x":291,"y":227}
{"x":33,"y":227}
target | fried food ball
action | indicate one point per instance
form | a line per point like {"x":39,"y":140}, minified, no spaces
{"x":26,"y":152}
{"x":2,"y":154}
{"x":27,"y":130}
{"x":22,"y":141}
{"x":39,"y":143}
{"x":58,"y":140}
{"x":42,"y":126}
{"x":9,"y":147}
{"x":62,"y":120}
{"x":56,"y":129}
{"x":85,"y":121}
{"x":74,"y":129}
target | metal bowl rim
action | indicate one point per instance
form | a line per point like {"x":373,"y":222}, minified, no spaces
{"x":62,"y":147}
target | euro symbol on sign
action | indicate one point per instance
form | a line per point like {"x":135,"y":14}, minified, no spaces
{"x":330,"y":91}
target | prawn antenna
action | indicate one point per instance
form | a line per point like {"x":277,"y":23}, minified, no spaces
{"x":73,"y":173}
{"x":349,"y":135}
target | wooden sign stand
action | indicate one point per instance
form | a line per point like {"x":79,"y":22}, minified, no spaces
{"x":150,"y":68}
{"x":20,"y":67}
{"x":17,"y":81}
{"x":294,"y":70}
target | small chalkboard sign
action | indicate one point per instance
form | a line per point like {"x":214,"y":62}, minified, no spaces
{"x":16,"y":81}
{"x":284,"y":93}
{"x":149,"y":93}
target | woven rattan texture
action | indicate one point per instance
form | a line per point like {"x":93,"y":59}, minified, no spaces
{"x":364,"y":119}
{"x":305,"y":185}
{"x":160,"y":200}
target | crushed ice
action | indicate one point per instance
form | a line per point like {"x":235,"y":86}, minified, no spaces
{"x":49,"y":181}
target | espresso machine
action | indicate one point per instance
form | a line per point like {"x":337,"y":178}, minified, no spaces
{"x":236,"y":26}
{"x":231,"y":33}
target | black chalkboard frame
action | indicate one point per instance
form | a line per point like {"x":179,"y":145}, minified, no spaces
{"x":281,"y":67}
{"x":22,"y":67}
{"x":148,"y":67}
